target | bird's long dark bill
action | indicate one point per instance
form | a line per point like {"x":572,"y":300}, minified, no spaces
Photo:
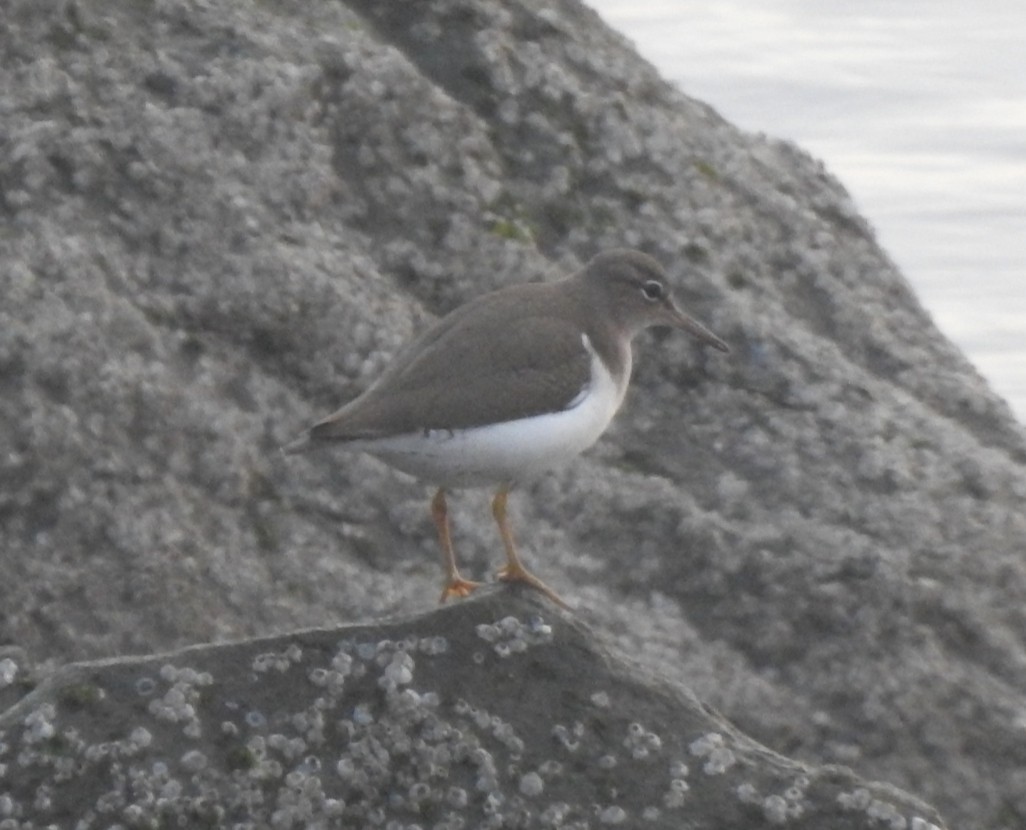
{"x":692,"y":326}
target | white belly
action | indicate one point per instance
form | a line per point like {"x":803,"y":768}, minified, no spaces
{"x":508,"y":452}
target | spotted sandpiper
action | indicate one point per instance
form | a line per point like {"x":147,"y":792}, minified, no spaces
{"x":507,"y":386}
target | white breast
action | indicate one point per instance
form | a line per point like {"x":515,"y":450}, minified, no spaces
{"x":511,"y":451}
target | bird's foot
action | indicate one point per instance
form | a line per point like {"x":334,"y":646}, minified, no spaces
{"x":518,"y":573}
{"x":458,"y":587}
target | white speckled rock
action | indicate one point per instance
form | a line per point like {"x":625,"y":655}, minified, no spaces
{"x":317,"y":729}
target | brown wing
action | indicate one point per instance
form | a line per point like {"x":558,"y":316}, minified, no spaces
{"x":508,"y":355}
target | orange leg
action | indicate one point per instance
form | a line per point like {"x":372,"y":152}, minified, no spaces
{"x":455,"y":585}
{"x":514,"y":570}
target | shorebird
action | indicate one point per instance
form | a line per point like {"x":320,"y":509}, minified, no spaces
{"x":507,"y":386}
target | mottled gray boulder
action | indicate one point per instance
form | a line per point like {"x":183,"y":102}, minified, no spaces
{"x":500,"y":711}
{"x":220,"y":220}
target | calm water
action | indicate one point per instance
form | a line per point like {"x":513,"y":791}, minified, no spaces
{"x":919,"y":107}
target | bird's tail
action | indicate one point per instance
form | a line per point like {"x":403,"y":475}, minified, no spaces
{"x":300,"y":444}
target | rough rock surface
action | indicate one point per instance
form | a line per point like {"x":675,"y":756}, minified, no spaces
{"x":220,"y":220}
{"x":497,"y":712}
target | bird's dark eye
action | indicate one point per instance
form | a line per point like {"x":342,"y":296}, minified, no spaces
{"x":653,"y":290}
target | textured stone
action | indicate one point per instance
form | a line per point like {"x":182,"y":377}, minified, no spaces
{"x":479,"y":715}
{"x":221,"y":220}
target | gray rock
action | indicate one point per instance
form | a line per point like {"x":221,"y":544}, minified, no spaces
{"x":500,"y":711}
{"x":219,"y":222}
